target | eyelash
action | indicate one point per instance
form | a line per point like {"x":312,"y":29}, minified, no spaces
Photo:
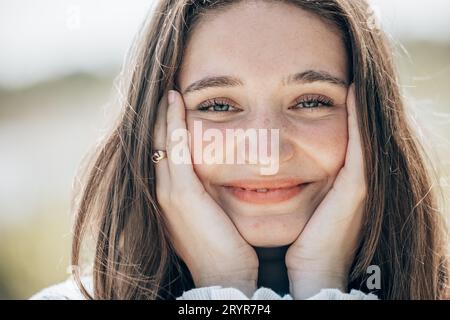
{"x":319,"y":100}
{"x":211,"y":103}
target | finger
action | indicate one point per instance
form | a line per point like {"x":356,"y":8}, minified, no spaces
{"x":354,"y":161}
{"x":159,"y":131}
{"x":180,"y":161}
{"x":159,"y":143}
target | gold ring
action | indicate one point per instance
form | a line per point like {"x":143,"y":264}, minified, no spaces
{"x":158,"y":155}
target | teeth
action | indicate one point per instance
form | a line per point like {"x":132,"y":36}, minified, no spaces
{"x":255,"y":190}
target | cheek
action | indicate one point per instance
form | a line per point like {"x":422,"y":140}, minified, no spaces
{"x":205,"y":172}
{"x":324,"y":143}
{"x":209,"y":172}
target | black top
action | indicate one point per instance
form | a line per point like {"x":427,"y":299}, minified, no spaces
{"x":272,"y":269}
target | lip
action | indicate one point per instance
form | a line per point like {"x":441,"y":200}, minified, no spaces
{"x":275,"y":190}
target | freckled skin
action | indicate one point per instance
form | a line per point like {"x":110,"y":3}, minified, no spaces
{"x":261,"y":43}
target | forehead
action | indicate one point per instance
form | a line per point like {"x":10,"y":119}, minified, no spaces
{"x":261,"y":40}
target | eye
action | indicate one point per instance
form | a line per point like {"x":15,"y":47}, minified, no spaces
{"x":217,"y":105}
{"x":313,"y":102}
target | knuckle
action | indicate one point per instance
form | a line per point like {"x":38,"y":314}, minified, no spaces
{"x":361,"y":192}
{"x":177,"y":199}
{"x":162,"y":197}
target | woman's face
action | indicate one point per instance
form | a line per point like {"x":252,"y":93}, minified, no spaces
{"x":263,"y":46}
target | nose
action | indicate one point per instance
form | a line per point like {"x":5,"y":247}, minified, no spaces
{"x":273,"y":136}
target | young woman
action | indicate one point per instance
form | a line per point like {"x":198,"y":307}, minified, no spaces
{"x":352,"y":190}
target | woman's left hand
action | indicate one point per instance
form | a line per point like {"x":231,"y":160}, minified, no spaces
{"x":322,"y":255}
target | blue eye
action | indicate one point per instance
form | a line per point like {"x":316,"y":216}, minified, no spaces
{"x":308,"y":102}
{"x":217,"y":105}
{"x":312,"y":102}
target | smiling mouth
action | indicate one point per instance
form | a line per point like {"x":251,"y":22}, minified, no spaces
{"x":264,"y":195}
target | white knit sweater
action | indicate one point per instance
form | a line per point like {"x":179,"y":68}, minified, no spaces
{"x":68,"y":290}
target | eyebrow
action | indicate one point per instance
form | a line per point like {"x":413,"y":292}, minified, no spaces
{"x":308,"y":76}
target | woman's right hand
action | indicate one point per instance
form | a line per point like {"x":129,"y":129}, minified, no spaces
{"x":201,"y":232}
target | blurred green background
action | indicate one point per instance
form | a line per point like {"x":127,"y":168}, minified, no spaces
{"x":58,"y":65}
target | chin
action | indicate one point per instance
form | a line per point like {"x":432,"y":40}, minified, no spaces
{"x":269,"y":243}
{"x":266,"y":232}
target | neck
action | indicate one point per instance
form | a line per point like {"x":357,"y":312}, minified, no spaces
{"x":272,"y":271}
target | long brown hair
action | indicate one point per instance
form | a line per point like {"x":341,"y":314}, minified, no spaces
{"x":404,"y":231}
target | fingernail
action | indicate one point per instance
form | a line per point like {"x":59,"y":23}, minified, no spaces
{"x":171,"y":96}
